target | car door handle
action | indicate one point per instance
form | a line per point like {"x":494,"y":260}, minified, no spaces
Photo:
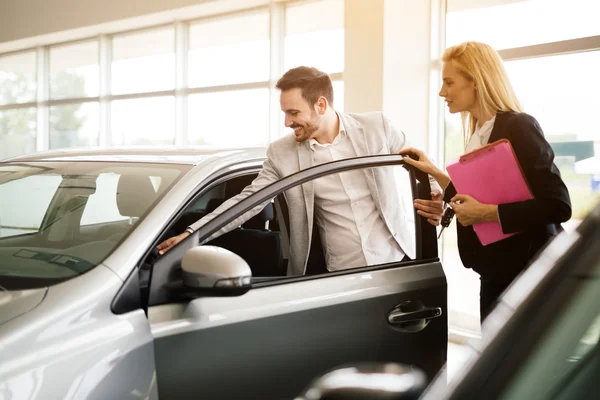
{"x":412,"y":316}
{"x":400,"y":317}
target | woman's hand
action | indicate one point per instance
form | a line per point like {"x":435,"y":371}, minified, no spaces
{"x":422,"y":162}
{"x":469,"y":211}
{"x":425,"y":164}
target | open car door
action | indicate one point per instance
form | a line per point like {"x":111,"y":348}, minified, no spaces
{"x":269,"y":342}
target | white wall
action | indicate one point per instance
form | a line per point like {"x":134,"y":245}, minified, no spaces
{"x":387,"y":64}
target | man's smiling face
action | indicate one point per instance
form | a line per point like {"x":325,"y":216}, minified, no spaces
{"x":301,"y":116}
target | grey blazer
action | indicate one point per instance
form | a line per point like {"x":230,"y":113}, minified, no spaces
{"x":370,"y":134}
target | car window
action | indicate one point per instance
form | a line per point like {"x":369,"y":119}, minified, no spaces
{"x":566,"y":362}
{"x":60,"y":219}
{"x":32,"y":193}
{"x":349,"y":231}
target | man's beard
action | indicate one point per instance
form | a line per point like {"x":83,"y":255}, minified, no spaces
{"x":306,"y":131}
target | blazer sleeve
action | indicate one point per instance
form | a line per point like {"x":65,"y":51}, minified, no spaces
{"x":551,"y":203}
{"x":397,"y":140}
{"x":265,"y":177}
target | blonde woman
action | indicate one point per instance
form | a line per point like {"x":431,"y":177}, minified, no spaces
{"x":475,"y":84}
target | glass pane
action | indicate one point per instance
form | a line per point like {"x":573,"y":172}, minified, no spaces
{"x":230,"y":119}
{"x":18,"y":78}
{"x":315,"y":35}
{"x":25,"y":202}
{"x":113,"y":197}
{"x":74,"y":71}
{"x":148,"y":121}
{"x":74,"y":125}
{"x":531,"y":21}
{"x":230,"y":50}
{"x":17,"y":132}
{"x":137,"y":67}
{"x":567,"y":115}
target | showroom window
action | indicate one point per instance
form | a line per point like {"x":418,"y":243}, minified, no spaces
{"x":554,"y":73}
{"x":137,"y":67}
{"x":206,"y":81}
{"x":18,"y":89}
{"x":74,"y":76}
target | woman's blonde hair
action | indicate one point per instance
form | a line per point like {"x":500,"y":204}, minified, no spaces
{"x":483,"y":65}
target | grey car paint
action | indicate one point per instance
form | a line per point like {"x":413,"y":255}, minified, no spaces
{"x":276,"y":338}
{"x":71,"y":346}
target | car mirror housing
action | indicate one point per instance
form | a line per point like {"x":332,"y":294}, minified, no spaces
{"x":372,"y":381}
{"x":213,"y":270}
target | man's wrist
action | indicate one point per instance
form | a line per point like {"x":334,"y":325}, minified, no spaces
{"x":189,"y":230}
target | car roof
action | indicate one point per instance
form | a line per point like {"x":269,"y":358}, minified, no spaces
{"x":190,"y":155}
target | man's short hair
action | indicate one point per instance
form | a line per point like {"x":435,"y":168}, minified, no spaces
{"x":314,"y":83}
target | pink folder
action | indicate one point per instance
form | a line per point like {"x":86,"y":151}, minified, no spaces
{"x":491,"y":175}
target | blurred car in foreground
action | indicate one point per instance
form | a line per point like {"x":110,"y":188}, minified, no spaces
{"x":88,"y":310}
{"x":540,"y":342}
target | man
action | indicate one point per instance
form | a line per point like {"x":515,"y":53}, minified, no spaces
{"x":360,"y":216}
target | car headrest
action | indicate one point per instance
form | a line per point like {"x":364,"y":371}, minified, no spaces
{"x":135,"y":194}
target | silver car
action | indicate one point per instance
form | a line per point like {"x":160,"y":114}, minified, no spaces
{"x":88,"y":310}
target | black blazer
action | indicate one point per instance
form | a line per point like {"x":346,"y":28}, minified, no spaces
{"x":537,"y":220}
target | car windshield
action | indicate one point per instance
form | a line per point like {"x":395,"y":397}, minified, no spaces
{"x":61,"y":219}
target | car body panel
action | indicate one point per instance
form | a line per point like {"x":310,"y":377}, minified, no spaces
{"x":17,"y":302}
{"x":71,"y":346}
{"x":278,"y":337}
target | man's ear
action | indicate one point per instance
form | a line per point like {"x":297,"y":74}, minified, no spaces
{"x":321,"y":105}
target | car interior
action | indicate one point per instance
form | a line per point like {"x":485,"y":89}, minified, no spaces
{"x":263,"y":231}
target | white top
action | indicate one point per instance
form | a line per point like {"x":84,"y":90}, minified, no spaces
{"x":353,"y":233}
{"x":481,"y":136}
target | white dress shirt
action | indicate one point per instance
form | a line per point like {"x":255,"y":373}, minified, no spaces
{"x":481,"y":136}
{"x":353,"y":233}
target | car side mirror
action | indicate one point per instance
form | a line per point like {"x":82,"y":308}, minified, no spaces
{"x":368,"y":381}
{"x":215,"y":271}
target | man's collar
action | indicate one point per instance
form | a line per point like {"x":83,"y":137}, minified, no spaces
{"x":341,"y":134}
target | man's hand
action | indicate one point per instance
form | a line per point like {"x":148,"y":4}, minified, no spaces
{"x":469,"y":211}
{"x":431,"y":209}
{"x":171,"y":242}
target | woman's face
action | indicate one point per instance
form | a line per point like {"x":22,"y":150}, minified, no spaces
{"x":457,"y":90}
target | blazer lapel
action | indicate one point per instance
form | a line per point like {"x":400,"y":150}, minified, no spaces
{"x":305,"y":159}
{"x":358,"y":138}
{"x":498,"y":129}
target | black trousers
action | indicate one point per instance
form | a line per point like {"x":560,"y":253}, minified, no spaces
{"x":488,"y":295}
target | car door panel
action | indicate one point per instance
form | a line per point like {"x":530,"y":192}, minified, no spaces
{"x":273,"y":340}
